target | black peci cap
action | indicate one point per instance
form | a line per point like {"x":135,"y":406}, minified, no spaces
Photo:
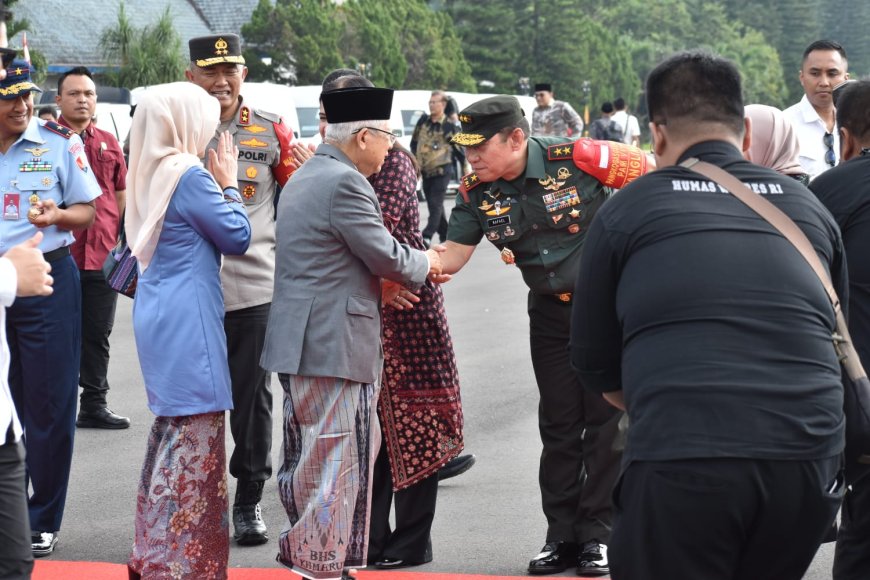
{"x":357,"y":104}
{"x":544,"y":87}
{"x":485,"y":118}
{"x":211,"y":50}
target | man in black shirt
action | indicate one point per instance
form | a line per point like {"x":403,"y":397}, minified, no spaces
{"x":845,"y":191}
{"x":710,"y":329}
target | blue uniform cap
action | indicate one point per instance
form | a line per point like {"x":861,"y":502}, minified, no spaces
{"x":17,"y":81}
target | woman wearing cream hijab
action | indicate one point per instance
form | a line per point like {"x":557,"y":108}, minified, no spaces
{"x":773,"y":142}
{"x":180,"y":219}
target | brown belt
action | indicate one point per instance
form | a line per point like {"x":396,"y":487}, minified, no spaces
{"x":57,"y":254}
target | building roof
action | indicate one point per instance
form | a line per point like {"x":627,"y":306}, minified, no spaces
{"x":68,"y":32}
{"x":223,"y":16}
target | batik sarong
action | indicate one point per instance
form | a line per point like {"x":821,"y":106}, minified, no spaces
{"x":331,"y":437}
{"x":182,"y":523}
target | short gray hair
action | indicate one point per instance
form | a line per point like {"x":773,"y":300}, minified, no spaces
{"x":340,"y":133}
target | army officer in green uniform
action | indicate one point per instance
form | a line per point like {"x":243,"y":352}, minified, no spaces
{"x":529,"y":198}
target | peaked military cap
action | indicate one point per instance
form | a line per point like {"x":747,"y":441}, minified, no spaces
{"x":357,"y":104}
{"x":211,"y":50}
{"x":544,"y":87}
{"x":485,"y":118}
{"x":17,"y":81}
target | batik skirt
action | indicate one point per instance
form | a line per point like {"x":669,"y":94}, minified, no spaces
{"x":331,"y":438}
{"x":182,"y":525}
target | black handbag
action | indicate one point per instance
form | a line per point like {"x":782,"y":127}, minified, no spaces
{"x":856,"y":386}
{"x":120,"y":268}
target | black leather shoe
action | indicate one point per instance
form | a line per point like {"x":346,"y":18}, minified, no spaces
{"x":102,"y":418}
{"x":555,"y":557}
{"x":396,"y":563}
{"x":43,"y":543}
{"x":456,"y":466}
{"x":250,"y":529}
{"x":593,"y":560}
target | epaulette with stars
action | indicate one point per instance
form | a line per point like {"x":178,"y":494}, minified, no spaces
{"x":560,"y":152}
{"x":469,"y":182}
{"x":64,"y":132}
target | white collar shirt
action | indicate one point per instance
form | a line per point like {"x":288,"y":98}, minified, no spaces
{"x":8,"y":284}
{"x":810,"y":130}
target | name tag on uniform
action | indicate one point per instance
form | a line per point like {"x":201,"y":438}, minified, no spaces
{"x":11,"y":206}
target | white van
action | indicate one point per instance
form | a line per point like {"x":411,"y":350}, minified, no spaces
{"x":276,"y":99}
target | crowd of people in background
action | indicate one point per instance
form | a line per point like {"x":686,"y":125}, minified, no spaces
{"x":681,"y":347}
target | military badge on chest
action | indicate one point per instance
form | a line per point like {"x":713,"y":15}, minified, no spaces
{"x":496,"y":207}
{"x":562,"y":204}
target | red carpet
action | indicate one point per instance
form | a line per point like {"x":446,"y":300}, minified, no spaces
{"x":58,"y":570}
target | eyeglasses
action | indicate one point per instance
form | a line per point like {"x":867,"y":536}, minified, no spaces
{"x":830,"y":156}
{"x":392,"y":136}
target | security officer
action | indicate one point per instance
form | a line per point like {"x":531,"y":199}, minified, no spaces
{"x":552,"y":118}
{"x":530,"y":198}
{"x":266,"y":161}
{"x":47,"y":182}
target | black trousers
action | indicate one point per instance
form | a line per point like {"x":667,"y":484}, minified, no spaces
{"x":578,"y":465}
{"x":251,"y":417}
{"x":435,"y":188}
{"x":98,"y":316}
{"x":852,"y":555}
{"x":721,"y":519}
{"x":415,"y":511}
{"x":16,"y":557}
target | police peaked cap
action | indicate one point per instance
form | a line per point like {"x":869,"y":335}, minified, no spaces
{"x":483,"y":119}
{"x":17,"y":81}
{"x":207,"y":51}
{"x":357,"y":104}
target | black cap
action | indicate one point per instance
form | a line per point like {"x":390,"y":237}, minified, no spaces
{"x":544,"y":87}
{"x":17,"y":80}
{"x":485,"y":118}
{"x":211,"y":50}
{"x":357,"y":104}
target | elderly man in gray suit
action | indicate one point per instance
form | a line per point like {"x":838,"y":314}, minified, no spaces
{"x":324,"y":333}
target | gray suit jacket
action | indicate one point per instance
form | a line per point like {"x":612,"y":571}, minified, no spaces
{"x":332,"y":251}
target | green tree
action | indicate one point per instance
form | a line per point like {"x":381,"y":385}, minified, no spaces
{"x":489,"y":38}
{"x":299,"y":39}
{"x":372,"y":37}
{"x":147,"y":56}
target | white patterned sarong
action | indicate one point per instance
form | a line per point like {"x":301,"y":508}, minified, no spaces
{"x":331,"y":439}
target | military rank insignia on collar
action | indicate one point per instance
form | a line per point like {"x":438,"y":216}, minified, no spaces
{"x":244,"y":116}
{"x":64,"y":132}
{"x":560,"y":152}
{"x":470,"y":181}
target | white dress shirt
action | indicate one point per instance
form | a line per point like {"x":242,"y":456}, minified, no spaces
{"x":810,"y":130}
{"x":633,"y":129}
{"x":8,"y":284}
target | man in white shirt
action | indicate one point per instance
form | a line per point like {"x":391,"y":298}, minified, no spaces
{"x":814,"y":116}
{"x":23,"y":272}
{"x":628,"y":123}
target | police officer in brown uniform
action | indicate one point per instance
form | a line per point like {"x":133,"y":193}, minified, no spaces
{"x":533,"y":198}
{"x":266,"y":161}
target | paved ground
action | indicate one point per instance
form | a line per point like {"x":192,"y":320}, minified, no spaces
{"x":488,"y":520}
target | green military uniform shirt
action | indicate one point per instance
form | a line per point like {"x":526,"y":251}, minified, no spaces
{"x":541,"y":216}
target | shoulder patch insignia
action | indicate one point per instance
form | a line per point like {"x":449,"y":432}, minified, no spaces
{"x":560,"y":152}
{"x":244,"y":116}
{"x":64,"y":132}
{"x":255,"y":128}
{"x":470,"y":181}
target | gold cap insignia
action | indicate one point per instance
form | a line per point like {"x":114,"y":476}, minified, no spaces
{"x":468,"y":139}
{"x":220,"y":47}
{"x":465,"y":118}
